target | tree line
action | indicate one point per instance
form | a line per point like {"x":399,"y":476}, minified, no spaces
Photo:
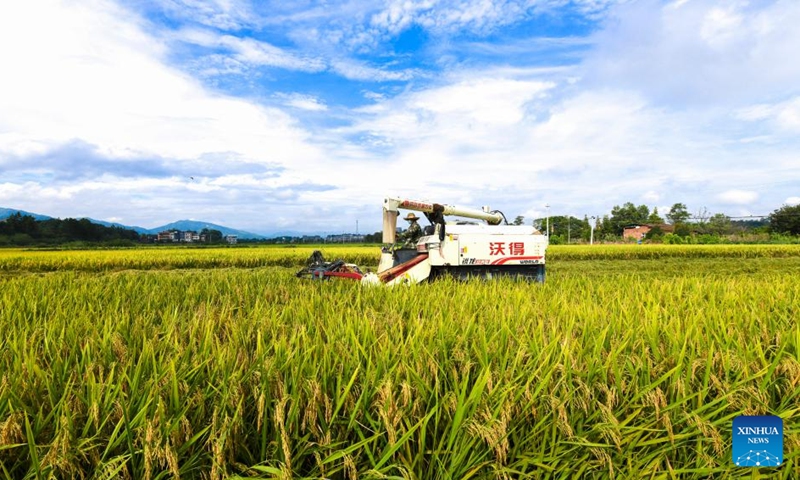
{"x":677,"y":224}
{"x":24,"y":230}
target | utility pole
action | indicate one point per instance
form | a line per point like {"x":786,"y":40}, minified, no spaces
{"x":569,"y":229}
{"x":591,"y":226}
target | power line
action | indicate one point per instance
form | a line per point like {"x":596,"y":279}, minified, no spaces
{"x":731,"y":218}
{"x":747,"y":216}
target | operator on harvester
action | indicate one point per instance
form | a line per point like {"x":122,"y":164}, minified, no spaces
{"x":413,"y":233}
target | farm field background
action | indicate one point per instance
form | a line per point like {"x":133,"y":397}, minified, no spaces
{"x":629,"y":361}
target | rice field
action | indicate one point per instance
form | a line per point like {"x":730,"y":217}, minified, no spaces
{"x":629,"y":362}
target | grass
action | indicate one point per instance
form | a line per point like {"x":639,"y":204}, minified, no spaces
{"x":632,"y":363}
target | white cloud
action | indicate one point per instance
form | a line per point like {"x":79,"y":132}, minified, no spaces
{"x":354,"y":70}
{"x":9,"y":192}
{"x":225,"y":14}
{"x":783,"y":116}
{"x":788,"y":115}
{"x":478,"y":16}
{"x":755,"y":112}
{"x":247,"y":52}
{"x":651,"y":196}
{"x":375,"y":96}
{"x":456,"y":109}
{"x":720,"y":26}
{"x":497,"y":136}
{"x":363,"y":26}
{"x":89,"y":73}
{"x":792,"y":201}
{"x":700,"y":52}
{"x":304,"y":102}
{"x":677,"y":4}
{"x":518,"y":141}
{"x":608,"y":126}
{"x":108,"y":85}
{"x":738,"y":197}
{"x":399,"y":15}
{"x":217,"y":64}
{"x":511,"y":137}
{"x":482,"y":100}
{"x":252,"y":52}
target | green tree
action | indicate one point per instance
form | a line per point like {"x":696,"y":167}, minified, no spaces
{"x":678,"y":214}
{"x":603,"y":227}
{"x":626,"y":215}
{"x":786,"y":220}
{"x":212,"y":235}
{"x":19,"y":223}
{"x":655,"y":234}
{"x":568,"y":228}
{"x":720,"y":224}
{"x":585,"y":234}
{"x":376,"y":237}
{"x":556,"y":223}
{"x":520,"y":220}
{"x":25,"y":230}
{"x":655,"y":218}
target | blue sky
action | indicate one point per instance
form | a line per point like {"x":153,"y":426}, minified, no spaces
{"x":269,"y":116}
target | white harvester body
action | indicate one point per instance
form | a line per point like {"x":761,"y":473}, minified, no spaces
{"x":460,"y":250}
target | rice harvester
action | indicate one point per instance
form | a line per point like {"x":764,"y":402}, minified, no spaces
{"x":486,"y":248}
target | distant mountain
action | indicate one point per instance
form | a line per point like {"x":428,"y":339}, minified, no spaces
{"x":184,"y":225}
{"x":139,"y":230}
{"x":7,"y":212}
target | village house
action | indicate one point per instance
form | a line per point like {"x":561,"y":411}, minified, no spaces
{"x":169,"y":236}
{"x":638,"y":232}
{"x":344,"y":238}
{"x":188,"y":236}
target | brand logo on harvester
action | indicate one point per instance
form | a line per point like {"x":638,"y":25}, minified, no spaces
{"x":758,"y":441}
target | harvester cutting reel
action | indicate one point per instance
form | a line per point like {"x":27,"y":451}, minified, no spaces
{"x":318,"y":269}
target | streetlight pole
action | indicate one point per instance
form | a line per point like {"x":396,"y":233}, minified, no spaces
{"x":569,"y":229}
{"x":547,"y":216}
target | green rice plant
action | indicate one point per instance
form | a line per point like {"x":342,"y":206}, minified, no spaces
{"x":641,"y":252}
{"x":163,"y":258}
{"x":615,"y":367}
